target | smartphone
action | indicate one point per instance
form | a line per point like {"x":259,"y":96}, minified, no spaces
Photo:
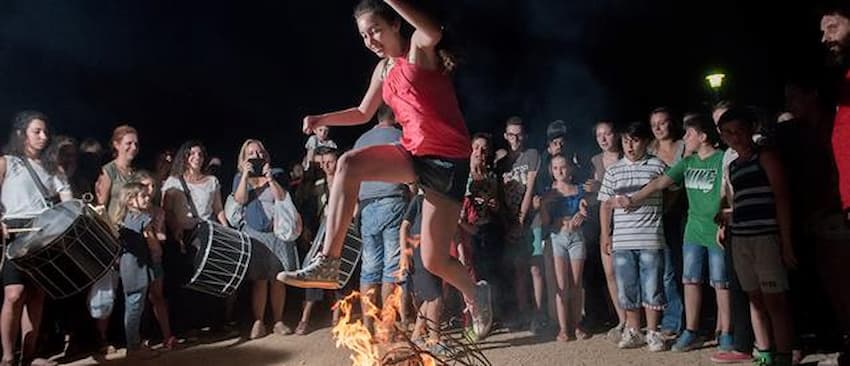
{"x":256,"y":167}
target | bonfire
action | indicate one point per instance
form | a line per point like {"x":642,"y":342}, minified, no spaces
{"x":391,"y":344}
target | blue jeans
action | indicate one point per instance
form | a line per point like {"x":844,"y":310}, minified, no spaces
{"x":640,"y":276}
{"x":134,"y":306}
{"x":696,"y":257}
{"x":671,"y":320}
{"x":380,"y":222}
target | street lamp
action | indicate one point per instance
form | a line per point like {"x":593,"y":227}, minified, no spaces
{"x":715,"y":81}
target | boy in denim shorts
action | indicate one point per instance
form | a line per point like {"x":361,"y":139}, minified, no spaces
{"x":701,"y":174}
{"x":638,"y":238}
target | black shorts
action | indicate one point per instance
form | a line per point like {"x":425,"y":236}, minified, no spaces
{"x":11,"y":275}
{"x":447,"y":177}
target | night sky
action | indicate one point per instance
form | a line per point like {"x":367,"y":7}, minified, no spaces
{"x":225,"y":71}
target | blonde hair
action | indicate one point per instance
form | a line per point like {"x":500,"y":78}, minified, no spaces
{"x":142,"y":175}
{"x":129,"y":191}
{"x":243,"y":152}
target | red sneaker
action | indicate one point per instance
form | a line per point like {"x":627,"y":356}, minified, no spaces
{"x":731,"y":357}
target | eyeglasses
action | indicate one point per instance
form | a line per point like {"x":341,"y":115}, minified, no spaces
{"x":514,"y":135}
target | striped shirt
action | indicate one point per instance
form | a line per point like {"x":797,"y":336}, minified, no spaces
{"x":754,"y":207}
{"x":642,"y":228}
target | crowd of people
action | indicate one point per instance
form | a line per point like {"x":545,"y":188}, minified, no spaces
{"x":719,"y":227}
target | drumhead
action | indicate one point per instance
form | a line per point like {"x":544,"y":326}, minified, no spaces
{"x":53,"y":224}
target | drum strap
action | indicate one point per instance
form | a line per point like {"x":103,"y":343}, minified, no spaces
{"x":49,"y":200}
{"x":189,"y":198}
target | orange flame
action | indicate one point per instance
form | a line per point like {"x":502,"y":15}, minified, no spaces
{"x":356,"y":337}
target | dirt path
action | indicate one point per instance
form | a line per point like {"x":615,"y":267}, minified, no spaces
{"x":317,"y":348}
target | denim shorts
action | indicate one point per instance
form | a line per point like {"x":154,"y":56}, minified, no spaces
{"x":640,"y":277}
{"x":695,"y":258}
{"x":380,"y":221}
{"x":568,"y":245}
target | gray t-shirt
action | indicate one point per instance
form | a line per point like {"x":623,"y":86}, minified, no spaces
{"x":379,"y":136}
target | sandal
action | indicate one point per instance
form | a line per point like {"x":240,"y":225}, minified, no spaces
{"x":302,"y":328}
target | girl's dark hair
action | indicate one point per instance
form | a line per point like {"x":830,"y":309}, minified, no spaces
{"x":704,"y":125}
{"x":674,"y":128}
{"x":18,"y":137}
{"x":637,"y":129}
{"x":378,"y":7}
{"x":181,"y":158}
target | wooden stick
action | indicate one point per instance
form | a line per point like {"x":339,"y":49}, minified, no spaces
{"x":23,"y":230}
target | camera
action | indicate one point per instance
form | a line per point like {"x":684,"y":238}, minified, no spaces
{"x":256,"y":167}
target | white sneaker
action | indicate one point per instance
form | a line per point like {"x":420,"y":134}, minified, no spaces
{"x":655,"y":341}
{"x":631,"y":339}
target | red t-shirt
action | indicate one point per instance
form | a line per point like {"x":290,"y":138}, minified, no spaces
{"x":841,"y":140}
{"x":425,"y":104}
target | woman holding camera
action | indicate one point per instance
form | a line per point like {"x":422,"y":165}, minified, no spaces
{"x":257,"y":188}
{"x":188,"y":197}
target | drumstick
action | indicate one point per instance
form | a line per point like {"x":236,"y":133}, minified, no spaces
{"x":23,"y":230}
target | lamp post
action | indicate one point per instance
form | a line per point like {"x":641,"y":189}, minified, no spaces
{"x":715,"y":83}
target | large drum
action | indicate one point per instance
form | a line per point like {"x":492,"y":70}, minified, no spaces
{"x":221,"y":260}
{"x":351,"y":248}
{"x":71,"y":246}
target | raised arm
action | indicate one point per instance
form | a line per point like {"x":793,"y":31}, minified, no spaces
{"x":428,"y":33}
{"x":356,"y":115}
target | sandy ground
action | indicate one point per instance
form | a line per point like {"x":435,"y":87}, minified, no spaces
{"x":317,"y":348}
